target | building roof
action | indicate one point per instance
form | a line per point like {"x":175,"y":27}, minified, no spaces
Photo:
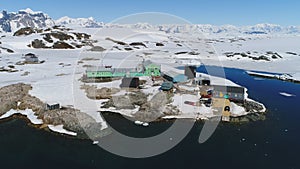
{"x":98,"y":69}
{"x":231,"y":89}
{"x":106,"y":69}
{"x":30,"y":54}
{"x":171,"y":73}
{"x":148,"y":62}
{"x":202,"y":78}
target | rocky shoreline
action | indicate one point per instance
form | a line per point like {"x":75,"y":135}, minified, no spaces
{"x":256,"y":111}
{"x":17,"y":97}
{"x":159,"y":107}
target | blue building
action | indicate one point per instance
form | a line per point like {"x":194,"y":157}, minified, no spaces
{"x":174,"y":77}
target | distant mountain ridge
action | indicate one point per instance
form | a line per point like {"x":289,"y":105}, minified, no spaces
{"x":11,"y":22}
{"x":223,"y":29}
{"x":79,"y":22}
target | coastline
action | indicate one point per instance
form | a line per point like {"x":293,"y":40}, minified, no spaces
{"x":65,"y":128}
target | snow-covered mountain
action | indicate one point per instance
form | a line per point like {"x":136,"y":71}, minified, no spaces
{"x":223,"y":29}
{"x":207,"y":29}
{"x":11,"y":22}
{"x":79,"y":22}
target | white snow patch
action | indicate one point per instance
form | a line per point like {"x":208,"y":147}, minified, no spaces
{"x":60,"y":129}
{"x":125,"y":112}
{"x":28,"y":113}
{"x":30,"y":11}
{"x":190,"y":111}
{"x":237,"y":110}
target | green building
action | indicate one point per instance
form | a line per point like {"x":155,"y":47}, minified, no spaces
{"x":94,"y":72}
{"x":151,"y":69}
{"x":147,"y":68}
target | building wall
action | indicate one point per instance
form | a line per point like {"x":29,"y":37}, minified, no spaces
{"x":180,"y":78}
{"x":152,"y":70}
{"x":31,"y":59}
{"x":99,"y":74}
{"x":233,"y":96}
{"x":190,"y":71}
{"x":130,"y":82}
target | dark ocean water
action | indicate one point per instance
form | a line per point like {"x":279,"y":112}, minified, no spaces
{"x":270,"y":144}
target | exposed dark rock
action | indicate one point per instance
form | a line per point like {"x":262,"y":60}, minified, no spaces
{"x":81,"y":39}
{"x":62,"y":45}
{"x":117,"y":42}
{"x":93,"y":92}
{"x":255,"y":110}
{"x":38,"y":44}
{"x":47,"y":30}
{"x":159,"y":44}
{"x":138,"y":44}
{"x":263,"y":57}
{"x":48,"y":38}
{"x":128,"y":101}
{"x":59,"y":35}
{"x":73,"y":120}
{"x":149,"y":110}
{"x":10,"y":95}
{"x":291,"y":53}
{"x":26,"y":31}
{"x":8,"y":50}
{"x":117,"y":47}
{"x":11,"y":66}
{"x":61,"y":28}
{"x":153,"y":109}
{"x":253,"y":107}
{"x":229,"y":54}
{"x":97,"y":49}
{"x":180,"y":53}
{"x":81,"y":36}
{"x":193,"y":53}
{"x":244,"y":55}
{"x":128,"y":49}
{"x":255,"y":32}
{"x":278,"y":55}
{"x":25,"y":73}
